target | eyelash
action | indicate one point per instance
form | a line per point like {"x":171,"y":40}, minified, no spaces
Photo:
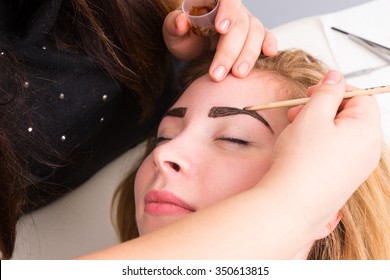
{"x":233,"y":140}
{"x":160,"y":139}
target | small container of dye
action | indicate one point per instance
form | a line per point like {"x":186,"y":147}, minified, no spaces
{"x":201,"y":15}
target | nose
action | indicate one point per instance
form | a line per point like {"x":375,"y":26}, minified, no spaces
{"x":171,"y":157}
{"x":172,"y":165}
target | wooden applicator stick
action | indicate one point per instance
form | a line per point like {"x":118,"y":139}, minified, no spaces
{"x":300,"y":101}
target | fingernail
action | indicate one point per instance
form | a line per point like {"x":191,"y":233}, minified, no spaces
{"x":219,"y":73}
{"x":224,"y":25}
{"x":243,"y":68}
{"x":332,"y":78}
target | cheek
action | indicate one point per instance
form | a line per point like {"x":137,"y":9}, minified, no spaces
{"x":253,"y":173}
{"x":247,"y":173}
{"x":234,"y":177}
{"x":142,"y":180}
{"x":142,"y":184}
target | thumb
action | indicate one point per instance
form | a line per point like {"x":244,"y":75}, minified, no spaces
{"x":180,"y":41}
{"x":175,"y":26}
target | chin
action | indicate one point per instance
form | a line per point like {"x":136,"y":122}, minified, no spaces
{"x":151,"y":223}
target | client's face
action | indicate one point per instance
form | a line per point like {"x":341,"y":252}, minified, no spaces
{"x":208,"y":148}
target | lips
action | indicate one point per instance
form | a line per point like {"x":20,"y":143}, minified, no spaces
{"x":160,"y":203}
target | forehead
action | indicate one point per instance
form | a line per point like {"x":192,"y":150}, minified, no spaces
{"x":257,"y":88}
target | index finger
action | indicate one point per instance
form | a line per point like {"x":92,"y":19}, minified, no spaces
{"x":227,"y":15}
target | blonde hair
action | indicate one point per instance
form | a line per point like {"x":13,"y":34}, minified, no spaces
{"x":364,"y":229}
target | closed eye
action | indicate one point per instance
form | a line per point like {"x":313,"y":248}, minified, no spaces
{"x":160,"y":140}
{"x":233,"y":140}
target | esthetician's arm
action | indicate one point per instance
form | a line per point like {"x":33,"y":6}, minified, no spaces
{"x":320,"y":160}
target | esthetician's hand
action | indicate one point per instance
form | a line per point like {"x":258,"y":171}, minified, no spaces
{"x":328,"y":150}
{"x":242,"y":38}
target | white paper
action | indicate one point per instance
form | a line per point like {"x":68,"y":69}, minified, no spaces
{"x":370,"y":21}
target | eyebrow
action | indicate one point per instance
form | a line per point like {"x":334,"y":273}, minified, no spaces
{"x":218,"y":112}
{"x":179,"y":112}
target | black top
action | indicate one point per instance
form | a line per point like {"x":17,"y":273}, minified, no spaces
{"x":74,"y":108}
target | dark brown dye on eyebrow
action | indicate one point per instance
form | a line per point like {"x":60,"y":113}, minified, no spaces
{"x":217,"y":112}
{"x":179,"y":112}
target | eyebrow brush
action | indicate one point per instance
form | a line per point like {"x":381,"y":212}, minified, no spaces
{"x":301,"y":101}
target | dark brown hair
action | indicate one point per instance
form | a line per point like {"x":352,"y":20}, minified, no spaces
{"x":125,"y":38}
